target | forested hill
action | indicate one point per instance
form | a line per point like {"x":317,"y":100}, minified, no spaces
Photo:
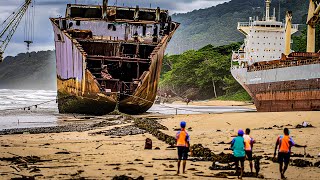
{"x":35,"y":70}
{"x":218,"y":25}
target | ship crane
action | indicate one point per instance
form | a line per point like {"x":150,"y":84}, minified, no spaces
{"x":313,"y":19}
{"x":9,"y":26}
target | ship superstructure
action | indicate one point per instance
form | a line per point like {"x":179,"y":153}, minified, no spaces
{"x":110,"y":57}
{"x":276,"y":78}
{"x":265,"y":39}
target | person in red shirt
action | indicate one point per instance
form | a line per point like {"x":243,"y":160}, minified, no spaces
{"x":183,"y":144}
{"x":285,"y":142}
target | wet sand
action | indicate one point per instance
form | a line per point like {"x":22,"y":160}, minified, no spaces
{"x":92,"y":155}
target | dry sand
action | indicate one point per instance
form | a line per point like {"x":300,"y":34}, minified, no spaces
{"x":102,"y":157}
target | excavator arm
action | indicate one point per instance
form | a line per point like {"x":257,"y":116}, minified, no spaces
{"x":9,"y":26}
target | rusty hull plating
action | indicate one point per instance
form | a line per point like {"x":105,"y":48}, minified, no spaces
{"x":110,"y":57}
{"x":289,"y":84}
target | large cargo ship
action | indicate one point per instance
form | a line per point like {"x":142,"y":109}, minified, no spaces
{"x":110,"y":57}
{"x":276,"y":78}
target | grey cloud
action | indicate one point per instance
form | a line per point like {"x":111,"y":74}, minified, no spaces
{"x":43,"y":39}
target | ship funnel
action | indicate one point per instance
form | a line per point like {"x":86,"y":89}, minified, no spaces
{"x":268,"y":10}
{"x":104,"y":9}
{"x":288,"y":33}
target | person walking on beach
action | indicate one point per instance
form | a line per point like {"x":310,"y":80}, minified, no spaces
{"x":183,"y":144}
{"x":239,"y":154}
{"x":285,"y":142}
{"x":249,"y":141}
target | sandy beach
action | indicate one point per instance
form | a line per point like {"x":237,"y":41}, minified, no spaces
{"x":92,"y":155}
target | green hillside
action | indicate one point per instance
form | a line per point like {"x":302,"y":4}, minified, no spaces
{"x":35,"y":70}
{"x":218,"y":25}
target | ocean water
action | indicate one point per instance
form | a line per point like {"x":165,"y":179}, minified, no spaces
{"x":18,"y":110}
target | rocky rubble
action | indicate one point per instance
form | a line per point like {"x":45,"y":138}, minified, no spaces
{"x":121,"y":131}
{"x":199,"y":151}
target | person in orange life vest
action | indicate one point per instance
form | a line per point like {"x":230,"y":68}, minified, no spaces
{"x":248,"y":146}
{"x":285,"y":142}
{"x":183,"y":144}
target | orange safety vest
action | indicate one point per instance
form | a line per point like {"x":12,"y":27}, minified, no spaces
{"x":182,"y":138}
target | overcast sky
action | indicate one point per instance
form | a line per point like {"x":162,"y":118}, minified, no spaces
{"x":52,"y":8}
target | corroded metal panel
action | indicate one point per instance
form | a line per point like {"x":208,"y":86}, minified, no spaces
{"x":103,"y":64}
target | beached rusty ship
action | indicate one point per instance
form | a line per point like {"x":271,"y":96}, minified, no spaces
{"x":276,"y":78}
{"x":110,"y":57}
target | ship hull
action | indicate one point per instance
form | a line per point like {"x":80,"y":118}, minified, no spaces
{"x":283,"y":89}
{"x":78,"y":88}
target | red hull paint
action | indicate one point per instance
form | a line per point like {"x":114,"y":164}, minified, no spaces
{"x":299,"y":95}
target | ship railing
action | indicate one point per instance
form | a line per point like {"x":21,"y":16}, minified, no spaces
{"x":243,"y":24}
{"x":284,"y":64}
{"x":295,"y":27}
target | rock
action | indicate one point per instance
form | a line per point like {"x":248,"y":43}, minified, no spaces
{"x":157,"y":148}
{"x":148,"y":144}
{"x":301,"y":163}
{"x":171,"y":166}
{"x":317,"y":164}
{"x":148,"y":165}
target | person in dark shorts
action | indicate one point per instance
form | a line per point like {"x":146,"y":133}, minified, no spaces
{"x":239,"y":154}
{"x":285,"y":142}
{"x":183,"y":144}
{"x":249,"y":141}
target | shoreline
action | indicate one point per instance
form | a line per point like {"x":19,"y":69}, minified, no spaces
{"x":92,"y":154}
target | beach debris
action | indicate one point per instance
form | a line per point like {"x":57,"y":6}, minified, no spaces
{"x":256,"y":160}
{"x":192,"y":169}
{"x":301,"y":163}
{"x":124,"y":177}
{"x":219,"y":166}
{"x":271,"y":158}
{"x":153,"y":127}
{"x":205,"y":153}
{"x":157,"y":148}
{"x":232,"y":173}
{"x":171,"y":166}
{"x":121,"y":131}
{"x":148,"y":165}
{"x":63,"y":152}
{"x":148,"y":144}
{"x":304,"y":124}
{"x":99,"y":146}
{"x":301,"y":155}
{"x":24,"y":178}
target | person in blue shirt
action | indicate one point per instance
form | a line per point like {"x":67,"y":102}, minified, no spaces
{"x":239,"y":154}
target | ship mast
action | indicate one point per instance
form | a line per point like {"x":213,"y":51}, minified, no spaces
{"x":268,"y":2}
{"x":104,"y":9}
